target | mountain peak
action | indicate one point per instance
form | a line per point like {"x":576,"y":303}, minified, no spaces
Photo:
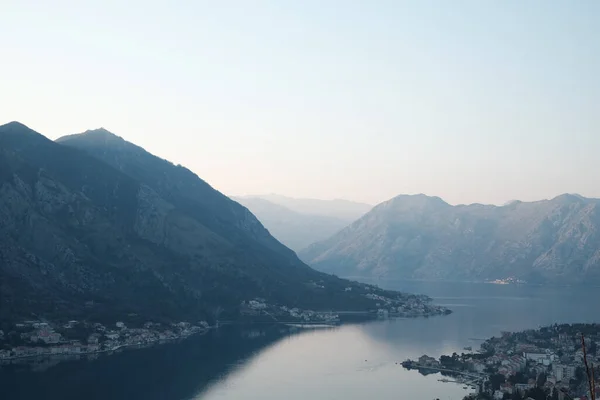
{"x":99,"y":131}
{"x":138,"y":235}
{"x":99,"y":134}
{"x":16,"y":135}
{"x":512,"y":203}
{"x":570,"y":198}
{"x":18,"y":130}
{"x":13,"y":125}
{"x":417,"y":199}
{"x":413,"y":237}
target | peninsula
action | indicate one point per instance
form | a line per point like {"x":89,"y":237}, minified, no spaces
{"x":541,"y":364}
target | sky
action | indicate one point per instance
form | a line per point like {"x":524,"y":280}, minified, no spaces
{"x":472,"y":101}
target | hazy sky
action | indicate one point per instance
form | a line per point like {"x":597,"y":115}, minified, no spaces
{"x":473,"y":101}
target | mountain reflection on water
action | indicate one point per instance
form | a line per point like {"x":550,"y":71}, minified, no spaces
{"x":272,"y":361}
{"x":173,"y":371}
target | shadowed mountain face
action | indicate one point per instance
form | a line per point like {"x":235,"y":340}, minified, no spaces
{"x":95,"y":227}
{"x":294,"y":229}
{"x":421,"y":237}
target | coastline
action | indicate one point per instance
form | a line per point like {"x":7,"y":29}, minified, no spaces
{"x":110,"y":350}
{"x":348,"y":317}
{"x":548,"y":360}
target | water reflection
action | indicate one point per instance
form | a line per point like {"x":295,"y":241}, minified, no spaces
{"x":349,"y":362}
{"x":174,"y":371}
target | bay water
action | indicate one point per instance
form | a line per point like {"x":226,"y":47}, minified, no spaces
{"x":352,"y":361}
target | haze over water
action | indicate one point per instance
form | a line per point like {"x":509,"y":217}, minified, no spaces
{"x":348,"y":362}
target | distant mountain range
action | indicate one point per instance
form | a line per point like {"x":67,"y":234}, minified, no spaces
{"x":421,"y":237}
{"x":95,"y":227}
{"x":337,"y":208}
{"x":298,"y":223}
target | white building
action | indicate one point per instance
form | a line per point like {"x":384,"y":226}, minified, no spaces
{"x":204,"y":324}
{"x":112,"y":335}
{"x":522,"y":387}
{"x":563,"y":373}
{"x":479,"y":367}
{"x":256,"y":305}
{"x":540,"y":358}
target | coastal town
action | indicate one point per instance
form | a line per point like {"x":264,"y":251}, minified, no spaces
{"x":42,"y":338}
{"x":411,"y":306}
{"x":541,"y":364}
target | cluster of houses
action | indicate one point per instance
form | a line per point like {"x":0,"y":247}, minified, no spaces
{"x":284,"y":314}
{"x":549,"y":357}
{"x":427,"y":361}
{"x":410,"y":307}
{"x":414,"y":306}
{"x":42,"y":339}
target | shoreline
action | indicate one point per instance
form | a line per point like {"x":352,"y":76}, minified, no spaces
{"x":368,"y":316}
{"x":543,"y":359}
{"x":122,"y":346}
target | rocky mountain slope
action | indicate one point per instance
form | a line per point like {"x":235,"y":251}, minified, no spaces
{"x":96,"y":228}
{"x":423,"y":237}
{"x":295,"y":229}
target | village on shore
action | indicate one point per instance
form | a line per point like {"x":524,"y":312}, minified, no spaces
{"x":541,"y":364}
{"x":411,"y":307}
{"x":40,"y":338}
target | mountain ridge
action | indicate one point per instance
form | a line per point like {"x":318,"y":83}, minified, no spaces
{"x":420,"y":237}
{"x":102,"y":230}
{"x":336,"y":208}
{"x":294,"y":229}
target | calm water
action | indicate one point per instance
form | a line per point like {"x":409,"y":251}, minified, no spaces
{"x":272,"y":362}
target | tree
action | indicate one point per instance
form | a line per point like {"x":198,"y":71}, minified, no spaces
{"x":490,"y":369}
{"x":541,"y":380}
{"x":519,"y":377}
{"x":496,"y":380}
{"x":516,"y":395}
{"x":536,"y":394}
{"x":579,"y":374}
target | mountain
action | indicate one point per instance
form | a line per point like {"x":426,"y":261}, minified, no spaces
{"x":421,"y":237}
{"x":96,"y":228}
{"x":294,"y":229}
{"x":342,"y":209}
